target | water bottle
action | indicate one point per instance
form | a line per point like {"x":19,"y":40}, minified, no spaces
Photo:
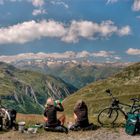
{"x":56,"y":102}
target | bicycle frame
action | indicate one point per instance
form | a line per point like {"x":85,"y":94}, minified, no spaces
{"x":118,"y":108}
{"x":116,"y":104}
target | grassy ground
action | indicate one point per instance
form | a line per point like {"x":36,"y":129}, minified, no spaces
{"x":30,"y":119}
{"x":100,"y":134}
{"x":116,"y":133}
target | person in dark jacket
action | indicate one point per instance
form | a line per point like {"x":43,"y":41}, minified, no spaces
{"x":81,"y":114}
{"x":50,"y":113}
{"x":81,"y":117}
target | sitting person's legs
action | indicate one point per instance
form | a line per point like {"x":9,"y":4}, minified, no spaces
{"x":62,"y":119}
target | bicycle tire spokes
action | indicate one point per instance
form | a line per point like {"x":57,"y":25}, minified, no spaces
{"x":110,"y":115}
{"x":107,"y":116}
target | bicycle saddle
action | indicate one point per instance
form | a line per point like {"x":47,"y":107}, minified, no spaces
{"x":135,"y":99}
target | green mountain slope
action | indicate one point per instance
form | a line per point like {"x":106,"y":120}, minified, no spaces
{"x":124,"y":85}
{"x":81,"y":76}
{"x":27,"y":91}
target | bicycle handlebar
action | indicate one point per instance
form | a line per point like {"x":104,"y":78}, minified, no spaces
{"x":114,"y":98}
{"x":108,"y":91}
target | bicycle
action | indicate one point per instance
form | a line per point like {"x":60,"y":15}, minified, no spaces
{"x":110,"y":114}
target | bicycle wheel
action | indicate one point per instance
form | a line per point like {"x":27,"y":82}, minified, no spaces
{"x":107,"y":116}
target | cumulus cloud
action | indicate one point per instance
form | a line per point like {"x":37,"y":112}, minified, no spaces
{"x":136,"y":5}
{"x":117,"y":57}
{"x":3,"y":1}
{"x":92,"y":30}
{"x":103,"y":54}
{"x":69,"y":33}
{"x":31,"y":30}
{"x":59,"y":2}
{"x":133,"y":51}
{"x":37,"y":3}
{"x":37,"y":12}
{"x":71,"y":55}
{"x":83,"y":54}
{"x":124,"y":31}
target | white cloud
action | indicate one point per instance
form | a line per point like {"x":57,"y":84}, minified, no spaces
{"x":79,"y":29}
{"x":71,"y":55}
{"x":117,"y":57}
{"x":111,"y":1}
{"x":32,"y":30}
{"x":38,"y":12}
{"x":92,"y":30}
{"x":133,"y":51}
{"x":1,"y":2}
{"x":83,"y":54}
{"x":124,"y":31}
{"x":136,"y":5}
{"x":103,"y":54}
{"x":38,"y":3}
{"x":59,"y":2}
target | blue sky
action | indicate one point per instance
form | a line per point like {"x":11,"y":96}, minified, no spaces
{"x":109,"y":29}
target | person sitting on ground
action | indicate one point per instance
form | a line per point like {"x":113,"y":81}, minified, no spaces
{"x":50,"y":114}
{"x":81,"y":116}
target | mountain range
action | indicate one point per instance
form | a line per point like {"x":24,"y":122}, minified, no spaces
{"x":77,"y":73}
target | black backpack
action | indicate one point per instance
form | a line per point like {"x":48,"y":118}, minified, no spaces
{"x":12,"y":114}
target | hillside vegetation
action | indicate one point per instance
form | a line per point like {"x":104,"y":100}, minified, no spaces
{"x":124,"y":85}
{"x":27,"y":91}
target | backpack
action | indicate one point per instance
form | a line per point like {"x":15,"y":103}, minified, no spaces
{"x":12,"y":114}
{"x":132,"y":123}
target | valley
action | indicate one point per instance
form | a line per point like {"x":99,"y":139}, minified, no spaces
{"x":77,"y":73}
{"x":27,"y":91}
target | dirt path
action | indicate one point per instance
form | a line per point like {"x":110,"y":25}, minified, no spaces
{"x":100,"y":134}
